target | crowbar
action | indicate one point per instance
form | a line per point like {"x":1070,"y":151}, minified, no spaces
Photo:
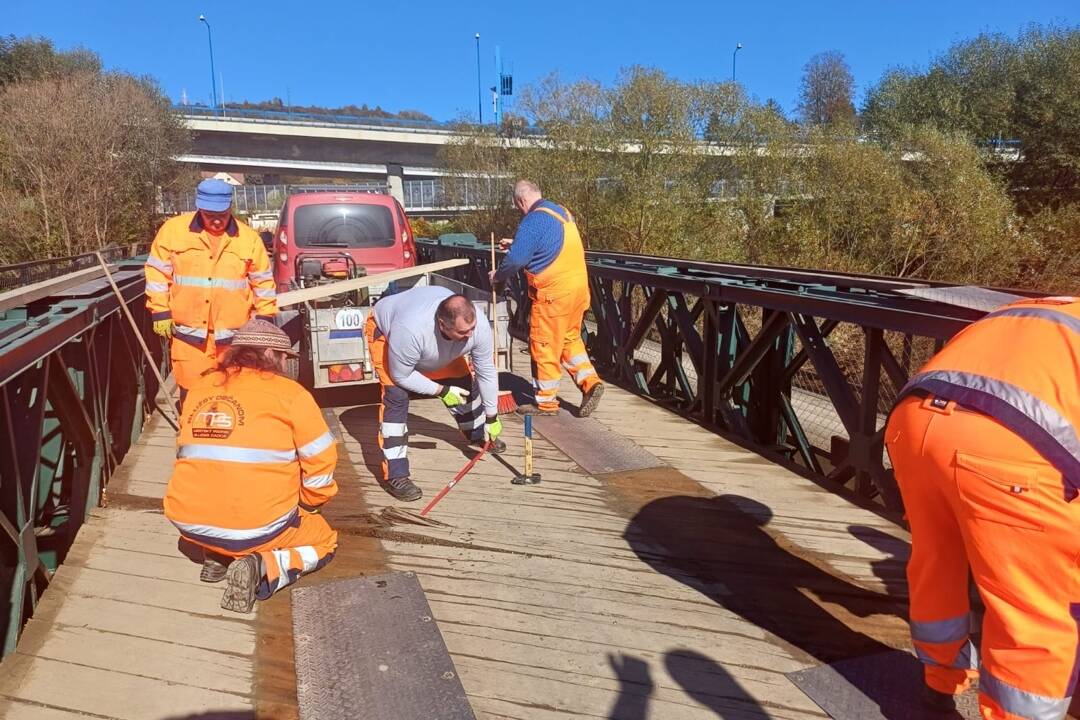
{"x":450,"y":485}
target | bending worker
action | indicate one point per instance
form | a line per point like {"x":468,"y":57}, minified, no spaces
{"x":547,"y":246}
{"x":986,"y":452}
{"x":255,"y":464}
{"x":207,"y":274}
{"x":418,"y":340}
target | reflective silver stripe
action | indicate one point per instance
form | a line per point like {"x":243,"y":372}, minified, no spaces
{"x":261,"y":275}
{"x":265,"y":292}
{"x":157,"y":287}
{"x":1020,"y":702}
{"x":1043,"y":415}
{"x":193,"y":281}
{"x":389,"y":429}
{"x":220,"y":533}
{"x":234,"y":454}
{"x":317,"y":445}
{"x":1053,"y":316}
{"x":318,"y":481}
{"x":967,"y":658}
{"x":163,"y":265}
{"x":190,"y":331}
{"x":223,"y":334}
{"x":941,"y":631}
{"x":281,"y":558}
{"x":309,"y":556}
{"x":395,"y":453}
{"x":584,"y":373}
{"x":547,"y":384}
{"x":578,"y":360}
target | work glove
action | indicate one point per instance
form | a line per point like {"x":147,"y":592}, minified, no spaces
{"x":453,"y":396}
{"x":493,"y":428}
{"x":163,"y":328}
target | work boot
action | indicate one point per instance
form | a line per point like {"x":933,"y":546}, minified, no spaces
{"x":242,"y":580}
{"x":531,"y":409}
{"x":590,"y":400}
{"x":402,"y":488}
{"x":214,"y":567}
{"x":498,"y":447}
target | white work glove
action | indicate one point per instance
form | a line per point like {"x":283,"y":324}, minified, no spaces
{"x":453,"y":396}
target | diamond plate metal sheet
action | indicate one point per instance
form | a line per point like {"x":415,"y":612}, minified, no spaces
{"x":592,"y":446}
{"x":369,"y":647}
{"x":965,"y":296}
{"x":877,"y":687}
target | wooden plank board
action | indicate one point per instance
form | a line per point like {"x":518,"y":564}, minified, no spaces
{"x":295,"y":297}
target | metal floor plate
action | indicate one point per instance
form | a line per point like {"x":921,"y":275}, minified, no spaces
{"x":592,"y":446}
{"x":877,"y":687}
{"x":369,"y":647}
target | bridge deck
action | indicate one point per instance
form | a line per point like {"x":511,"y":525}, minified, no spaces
{"x":682,"y":591}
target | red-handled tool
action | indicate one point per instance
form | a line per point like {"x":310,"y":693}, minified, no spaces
{"x":450,"y":485}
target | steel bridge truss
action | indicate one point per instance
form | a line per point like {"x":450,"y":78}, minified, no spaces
{"x":74,"y":393}
{"x":801,"y":366}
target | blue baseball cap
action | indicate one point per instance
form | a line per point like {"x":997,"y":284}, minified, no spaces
{"x":213,"y":195}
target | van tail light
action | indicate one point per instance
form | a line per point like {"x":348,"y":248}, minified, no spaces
{"x":283,"y":256}
{"x":407,"y":254}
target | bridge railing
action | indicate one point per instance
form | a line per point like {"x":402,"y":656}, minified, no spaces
{"x":801,"y":366}
{"x":27,"y":273}
{"x":74,"y":393}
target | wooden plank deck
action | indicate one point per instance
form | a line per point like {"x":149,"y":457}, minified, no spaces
{"x":684,"y":591}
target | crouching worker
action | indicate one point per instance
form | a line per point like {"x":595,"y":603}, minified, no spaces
{"x":418,"y":340}
{"x":255,"y":464}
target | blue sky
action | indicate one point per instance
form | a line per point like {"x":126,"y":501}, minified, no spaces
{"x":420,"y":54}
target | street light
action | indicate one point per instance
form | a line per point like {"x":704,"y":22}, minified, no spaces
{"x":479,"y":93}
{"x":738,"y":47}
{"x":210,"y":39}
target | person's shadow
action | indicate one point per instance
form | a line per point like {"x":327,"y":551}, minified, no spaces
{"x":701,"y":677}
{"x":892,"y":570}
{"x":719,"y":547}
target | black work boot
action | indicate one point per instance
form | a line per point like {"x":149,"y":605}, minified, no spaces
{"x":531,"y":409}
{"x":242,"y":580}
{"x":214,"y":567}
{"x":402,"y":488}
{"x":590,"y":400}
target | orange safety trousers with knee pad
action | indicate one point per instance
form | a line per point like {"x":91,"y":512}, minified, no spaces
{"x":560,"y":298}
{"x":986,"y":454}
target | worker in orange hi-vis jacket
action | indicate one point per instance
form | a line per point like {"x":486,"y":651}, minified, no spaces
{"x":548,"y":248}
{"x":985,"y":445}
{"x":254,"y":466}
{"x":207,"y":274}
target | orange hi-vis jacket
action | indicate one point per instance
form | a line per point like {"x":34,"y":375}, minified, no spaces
{"x":205,"y":284}
{"x":253,"y":449}
{"x":1037,"y":399}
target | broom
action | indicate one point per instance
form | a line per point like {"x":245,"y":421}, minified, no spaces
{"x":507,"y":404}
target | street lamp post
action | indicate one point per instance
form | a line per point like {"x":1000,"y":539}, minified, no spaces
{"x":738,"y":47}
{"x":213,"y":85}
{"x":479,"y":93}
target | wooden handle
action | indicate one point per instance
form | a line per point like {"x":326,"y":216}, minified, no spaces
{"x":295,"y":297}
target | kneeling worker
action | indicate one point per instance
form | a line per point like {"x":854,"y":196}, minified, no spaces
{"x":418,"y":340}
{"x":255,"y":463}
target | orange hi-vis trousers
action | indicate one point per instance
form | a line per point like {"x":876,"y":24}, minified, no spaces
{"x":560,"y":298}
{"x":189,"y":362}
{"x":299,"y":549}
{"x":980,"y":499}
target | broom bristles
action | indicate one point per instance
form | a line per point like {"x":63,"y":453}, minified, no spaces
{"x":507,"y":403}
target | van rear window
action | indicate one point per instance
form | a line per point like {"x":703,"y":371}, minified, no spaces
{"x":343,"y":225}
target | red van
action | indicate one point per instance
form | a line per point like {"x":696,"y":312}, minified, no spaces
{"x":336,"y":229}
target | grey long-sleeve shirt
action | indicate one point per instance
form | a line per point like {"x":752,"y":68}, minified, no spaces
{"x":414,"y":344}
